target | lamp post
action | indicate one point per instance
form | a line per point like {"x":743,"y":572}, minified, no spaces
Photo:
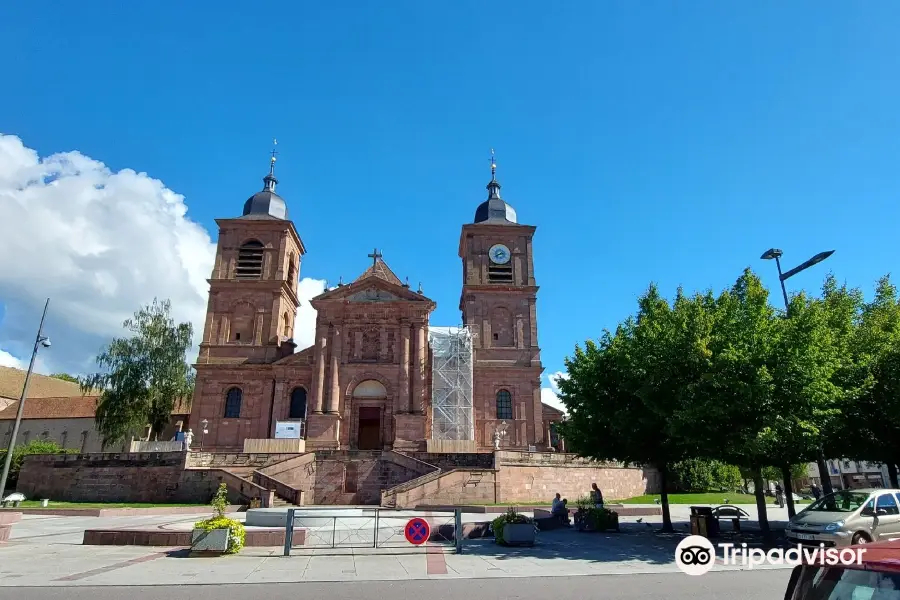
{"x":203,"y":431}
{"x":39,"y":340}
{"x":775,"y":253}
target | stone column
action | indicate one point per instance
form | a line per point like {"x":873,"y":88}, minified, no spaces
{"x":319,"y":389}
{"x":334,"y":400}
{"x":419,"y":369}
{"x":547,"y":432}
{"x":405,"y":399}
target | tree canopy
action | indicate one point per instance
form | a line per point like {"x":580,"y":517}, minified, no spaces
{"x":143,"y":375}
{"x":728,"y":378}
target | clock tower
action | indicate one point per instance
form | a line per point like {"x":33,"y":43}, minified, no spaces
{"x":498,"y":304}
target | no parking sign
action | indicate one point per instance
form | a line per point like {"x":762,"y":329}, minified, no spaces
{"x":417,"y":531}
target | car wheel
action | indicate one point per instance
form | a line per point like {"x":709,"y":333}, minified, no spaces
{"x":859,"y":538}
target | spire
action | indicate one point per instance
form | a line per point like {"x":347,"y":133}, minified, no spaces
{"x":494,"y":186}
{"x":269,"y":180}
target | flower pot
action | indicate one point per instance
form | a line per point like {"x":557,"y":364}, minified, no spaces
{"x":214,"y":541}
{"x":518,"y":534}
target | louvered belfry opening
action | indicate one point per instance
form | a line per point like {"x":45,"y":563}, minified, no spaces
{"x":500,"y":274}
{"x":250,"y":261}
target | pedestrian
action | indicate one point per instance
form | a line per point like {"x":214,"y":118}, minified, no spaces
{"x":560,"y":510}
{"x":596,"y":496}
{"x":779,"y":495}
{"x":816,"y":492}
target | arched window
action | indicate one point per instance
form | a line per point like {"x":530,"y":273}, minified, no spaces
{"x":504,"y":405}
{"x":298,"y":404}
{"x":250,"y":260}
{"x":287,"y":325}
{"x":233,"y":403}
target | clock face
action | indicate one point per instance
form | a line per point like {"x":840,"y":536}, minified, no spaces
{"x":499,"y":254}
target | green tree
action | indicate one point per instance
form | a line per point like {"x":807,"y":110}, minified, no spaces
{"x":806,"y":356}
{"x":142,"y":376}
{"x":32,"y":447}
{"x":621,"y":391}
{"x":65,"y":377}
{"x":732,"y":402}
{"x":874,"y":384}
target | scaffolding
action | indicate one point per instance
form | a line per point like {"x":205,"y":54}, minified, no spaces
{"x":451,"y":387}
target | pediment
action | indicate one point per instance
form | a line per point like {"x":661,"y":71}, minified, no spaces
{"x":371,"y":289}
{"x":372,"y":294}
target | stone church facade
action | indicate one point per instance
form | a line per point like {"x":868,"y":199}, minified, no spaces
{"x":366,"y":383}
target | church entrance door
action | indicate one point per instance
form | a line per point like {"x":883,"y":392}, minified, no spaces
{"x":369,"y":436}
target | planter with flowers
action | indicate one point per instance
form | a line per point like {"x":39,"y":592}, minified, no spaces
{"x":513,"y":529}
{"x":218,"y":534}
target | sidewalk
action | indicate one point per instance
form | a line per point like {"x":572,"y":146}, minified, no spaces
{"x":47,"y":551}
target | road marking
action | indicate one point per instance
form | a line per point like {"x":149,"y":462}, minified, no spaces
{"x":435,"y":563}
{"x":113,"y":567}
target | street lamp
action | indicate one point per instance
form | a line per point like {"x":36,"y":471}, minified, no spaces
{"x":203,"y":431}
{"x":824,"y":473}
{"x":39,"y":341}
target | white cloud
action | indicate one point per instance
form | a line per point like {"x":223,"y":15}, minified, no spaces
{"x":8,"y":360}
{"x":549,"y":394}
{"x":99,"y":244}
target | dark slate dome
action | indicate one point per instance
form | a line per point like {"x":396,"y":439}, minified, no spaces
{"x":494,"y":209}
{"x":266,"y":203}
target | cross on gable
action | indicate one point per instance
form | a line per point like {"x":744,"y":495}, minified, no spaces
{"x":375,"y":256}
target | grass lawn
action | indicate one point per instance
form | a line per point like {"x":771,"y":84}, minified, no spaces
{"x":37,"y":504}
{"x":714,"y":498}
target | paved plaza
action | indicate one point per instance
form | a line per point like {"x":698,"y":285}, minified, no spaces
{"x":47,"y":551}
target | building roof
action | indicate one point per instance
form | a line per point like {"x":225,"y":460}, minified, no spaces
{"x":40,"y":386}
{"x":380,"y":270}
{"x":67,"y":407}
{"x":494,"y":210}
{"x":551,"y":411}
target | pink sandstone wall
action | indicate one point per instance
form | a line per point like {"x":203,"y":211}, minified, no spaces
{"x":525,"y":477}
{"x":158,"y":478}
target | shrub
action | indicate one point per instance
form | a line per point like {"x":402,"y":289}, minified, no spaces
{"x":596,"y":519}
{"x":699,"y":475}
{"x":237,"y":534}
{"x":510,"y":517}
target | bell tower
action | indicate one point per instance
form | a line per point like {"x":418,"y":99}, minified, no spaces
{"x":253,"y":287}
{"x":499,"y":305}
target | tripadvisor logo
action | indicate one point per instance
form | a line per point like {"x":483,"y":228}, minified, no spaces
{"x":695,"y":555}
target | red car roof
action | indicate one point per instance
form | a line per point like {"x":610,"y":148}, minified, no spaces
{"x":880,"y":556}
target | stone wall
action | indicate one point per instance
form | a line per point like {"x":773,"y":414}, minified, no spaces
{"x":237,"y":462}
{"x":359,"y":477}
{"x":521,"y":477}
{"x":460,"y":486}
{"x":448,"y":462}
{"x":536,"y":483}
{"x":157,"y":478}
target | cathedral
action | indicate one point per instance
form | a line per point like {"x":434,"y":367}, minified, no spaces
{"x":378,"y":376}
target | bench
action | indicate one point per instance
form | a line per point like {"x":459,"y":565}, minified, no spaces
{"x":545,"y":520}
{"x":731,"y":513}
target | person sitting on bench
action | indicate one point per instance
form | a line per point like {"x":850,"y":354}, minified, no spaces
{"x":560,"y":509}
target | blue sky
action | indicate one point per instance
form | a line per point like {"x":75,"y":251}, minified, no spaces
{"x":648,"y":141}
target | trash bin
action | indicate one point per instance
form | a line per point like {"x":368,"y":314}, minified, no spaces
{"x":703,"y":523}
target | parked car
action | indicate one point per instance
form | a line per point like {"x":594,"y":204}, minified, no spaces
{"x":848,"y":517}
{"x":876,"y":578}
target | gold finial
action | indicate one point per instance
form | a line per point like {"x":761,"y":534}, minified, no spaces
{"x":493,"y":165}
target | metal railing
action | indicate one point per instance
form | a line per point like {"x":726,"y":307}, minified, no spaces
{"x":373,"y":528}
